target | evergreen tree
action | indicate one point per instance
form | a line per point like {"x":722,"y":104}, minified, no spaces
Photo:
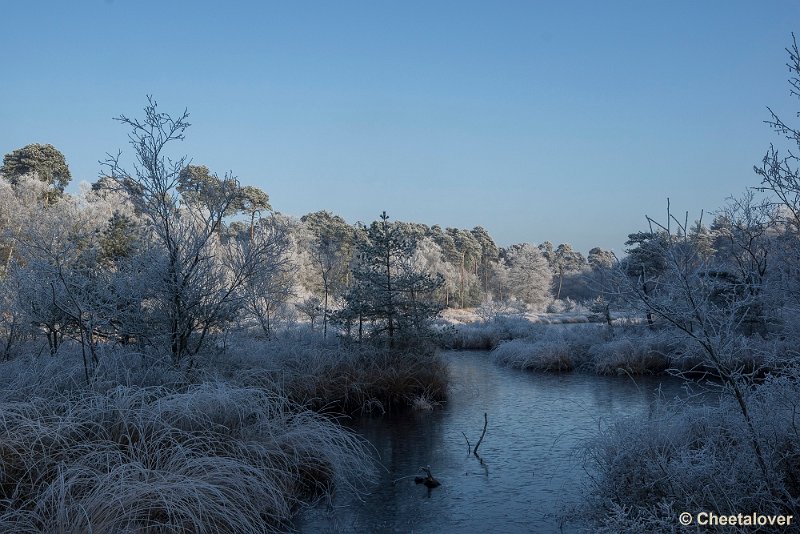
{"x":389,"y":293}
{"x":45,"y":161}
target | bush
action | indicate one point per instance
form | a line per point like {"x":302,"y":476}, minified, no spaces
{"x":543,"y":355}
{"x":550,"y":348}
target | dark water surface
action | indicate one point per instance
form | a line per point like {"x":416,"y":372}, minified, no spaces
{"x":534,"y":469}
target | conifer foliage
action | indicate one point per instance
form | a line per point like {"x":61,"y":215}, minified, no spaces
{"x":389,"y":292}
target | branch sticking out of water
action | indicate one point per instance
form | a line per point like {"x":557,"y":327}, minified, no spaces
{"x":485,"y":424}
{"x":475,"y":450}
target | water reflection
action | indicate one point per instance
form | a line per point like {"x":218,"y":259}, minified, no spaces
{"x":533,"y":470}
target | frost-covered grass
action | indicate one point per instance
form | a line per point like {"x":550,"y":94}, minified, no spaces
{"x":332,"y":375}
{"x":698,"y":458}
{"x":633,"y":351}
{"x":37,"y":373}
{"x":211,"y":458}
{"x":488,"y":334}
{"x":549,"y":348}
{"x":234,"y":440}
{"x":548,"y":353}
{"x":467,"y":330}
{"x":630,"y":349}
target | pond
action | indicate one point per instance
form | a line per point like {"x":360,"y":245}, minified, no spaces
{"x":533,"y":470}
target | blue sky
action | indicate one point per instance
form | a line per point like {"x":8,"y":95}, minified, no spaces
{"x":561,"y":121}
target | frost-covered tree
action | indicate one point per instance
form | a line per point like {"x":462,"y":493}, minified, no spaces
{"x":14,"y":324}
{"x":252,"y":201}
{"x":311,"y":308}
{"x":709,"y":308}
{"x":329,"y":242}
{"x":647,"y":260}
{"x":63,"y":286}
{"x":428,"y":258}
{"x":271,"y":284}
{"x":780,"y":177}
{"x":779,"y":171}
{"x":44,"y":161}
{"x":20,"y":203}
{"x":527,"y":275}
{"x":600,"y":259}
{"x":489,"y":257}
{"x":200,"y":287}
{"x":467,"y":255}
{"x":389,"y":291}
{"x":564,"y":261}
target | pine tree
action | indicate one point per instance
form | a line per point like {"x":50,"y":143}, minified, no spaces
{"x":389,"y":293}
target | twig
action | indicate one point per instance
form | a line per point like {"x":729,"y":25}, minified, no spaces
{"x":401,"y":478}
{"x":485,"y":423}
{"x":469,"y":447}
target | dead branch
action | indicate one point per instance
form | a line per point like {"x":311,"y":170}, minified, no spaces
{"x":485,"y":424}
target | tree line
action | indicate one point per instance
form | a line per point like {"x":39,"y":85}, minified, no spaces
{"x":164,"y":252}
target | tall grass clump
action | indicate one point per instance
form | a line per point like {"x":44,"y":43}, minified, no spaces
{"x":335,"y":375}
{"x":489,"y":333}
{"x":634,"y":351}
{"x":551,"y":354}
{"x":697,"y":458}
{"x":549,"y":348}
{"x":211,"y":458}
{"x":34,"y":375}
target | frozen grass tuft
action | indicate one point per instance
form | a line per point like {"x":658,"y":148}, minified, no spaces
{"x":633,"y":351}
{"x":37,"y":374}
{"x":621,"y":350}
{"x":550,"y":348}
{"x":335,"y":376}
{"x":551,"y":354}
{"x":214,"y":458}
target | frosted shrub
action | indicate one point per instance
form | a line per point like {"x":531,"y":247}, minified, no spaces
{"x":561,"y":306}
{"x":474,"y":336}
{"x":693,"y":458}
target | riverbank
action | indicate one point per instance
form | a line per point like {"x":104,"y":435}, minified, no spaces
{"x":570,"y":342}
{"x":692,"y":458}
{"x":238,"y":438}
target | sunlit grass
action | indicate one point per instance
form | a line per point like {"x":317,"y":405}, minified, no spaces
{"x":212,"y":458}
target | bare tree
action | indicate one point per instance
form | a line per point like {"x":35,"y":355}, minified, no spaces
{"x":271,"y":284}
{"x":200,"y":286}
{"x":709,"y":307}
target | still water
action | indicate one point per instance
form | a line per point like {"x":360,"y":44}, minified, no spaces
{"x":533,"y":471}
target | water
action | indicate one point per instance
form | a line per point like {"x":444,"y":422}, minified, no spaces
{"x":533,"y":471}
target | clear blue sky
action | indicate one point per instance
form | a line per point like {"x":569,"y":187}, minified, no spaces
{"x":561,"y":121}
